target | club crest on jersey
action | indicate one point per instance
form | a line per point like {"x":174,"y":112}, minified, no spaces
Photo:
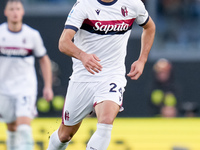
{"x":124,"y":11}
{"x":67,"y":115}
{"x":24,"y":41}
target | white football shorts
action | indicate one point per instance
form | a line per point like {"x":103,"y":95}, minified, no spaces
{"x":20,"y":106}
{"x":82,"y":97}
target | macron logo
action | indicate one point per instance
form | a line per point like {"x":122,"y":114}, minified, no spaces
{"x":97,"y":11}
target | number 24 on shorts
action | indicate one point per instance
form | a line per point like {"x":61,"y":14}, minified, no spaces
{"x":114,"y":89}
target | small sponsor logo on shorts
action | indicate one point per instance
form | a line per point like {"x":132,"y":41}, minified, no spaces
{"x":120,"y":99}
{"x":67,"y":115}
{"x":93,"y":148}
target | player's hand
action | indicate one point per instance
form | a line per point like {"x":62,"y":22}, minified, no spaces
{"x":48,"y":93}
{"x":91,"y":62}
{"x":136,"y":70}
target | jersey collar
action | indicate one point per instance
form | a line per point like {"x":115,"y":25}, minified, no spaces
{"x":108,"y":4}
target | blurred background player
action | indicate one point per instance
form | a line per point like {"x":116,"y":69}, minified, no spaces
{"x":19,"y":44}
{"x":100,"y":31}
{"x":164,"y":90}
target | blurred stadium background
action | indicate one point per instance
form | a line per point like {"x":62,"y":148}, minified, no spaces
{"x":136,"y":128}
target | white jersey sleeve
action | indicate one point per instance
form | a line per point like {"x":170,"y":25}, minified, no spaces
{"x":142,"y":14}
{"x":39,"y":48}
{"x":76,"y":16}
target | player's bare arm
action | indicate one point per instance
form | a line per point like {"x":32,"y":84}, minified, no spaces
{"x":45,"y":66}
{"x":146,"y":43}
{"x":66,"y":46}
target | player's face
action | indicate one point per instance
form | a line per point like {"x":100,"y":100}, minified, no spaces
{"x":14,"y":12}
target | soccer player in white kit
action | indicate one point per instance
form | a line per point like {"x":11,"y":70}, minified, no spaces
{"x":100,"y":29}
{"x":19,"y":44}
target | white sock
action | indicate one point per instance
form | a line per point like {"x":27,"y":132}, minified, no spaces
{"x":101,"y":138}
{"x":55,"y":143}
{"x":12,"y":140}
{"x":25,"y":135}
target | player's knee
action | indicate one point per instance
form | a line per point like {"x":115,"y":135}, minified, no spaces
{"x":65,"y":138}
{"x":12,"y":127}
{"x":106,"y":120}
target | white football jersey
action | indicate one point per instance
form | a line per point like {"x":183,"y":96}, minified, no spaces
{"x":103,"y":29}
{"x":17,"y":62}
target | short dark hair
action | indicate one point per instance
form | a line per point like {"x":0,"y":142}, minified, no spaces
{"x":13,"y":1}
{"x":8,"y":1}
